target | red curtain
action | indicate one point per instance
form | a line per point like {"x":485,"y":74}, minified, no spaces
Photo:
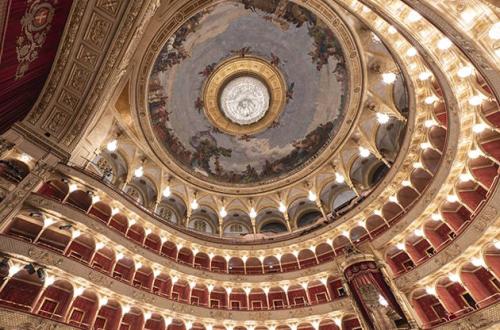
{"x":44,"y":23}
{"x":363,"y":273}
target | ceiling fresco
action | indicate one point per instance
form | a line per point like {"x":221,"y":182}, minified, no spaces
{"x":289,"y":37}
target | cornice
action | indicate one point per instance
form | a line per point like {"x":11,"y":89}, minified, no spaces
{"x":76,"y":272}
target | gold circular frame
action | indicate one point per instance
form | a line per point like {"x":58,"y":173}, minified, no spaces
{"x":237,"y":67}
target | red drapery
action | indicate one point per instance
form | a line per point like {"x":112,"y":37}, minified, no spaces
{"x":363,"y":273}
{"x":30,"y":34}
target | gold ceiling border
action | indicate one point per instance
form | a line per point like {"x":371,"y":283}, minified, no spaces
{"x":356,"y":87}
{"x":236,"y":67}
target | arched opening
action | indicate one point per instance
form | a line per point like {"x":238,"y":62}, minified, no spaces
{"x":134,"y":319}
{"x":83,"y":309}
{"x":56,"y":189}
{"x":481,"y":283}
{"x":109,"y":316}
{"x":143,"y":278}
{"x":55,"y":300}
{"x":21,"y":289}
{"x":13,"y":170}
{"x":79,"y":199}
{"x":308,"y":218}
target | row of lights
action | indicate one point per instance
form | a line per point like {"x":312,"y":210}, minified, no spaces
{"x":78,"y":291}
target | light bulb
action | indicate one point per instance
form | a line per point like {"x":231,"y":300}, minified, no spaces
{"x":414,"y":16}
{"x":139,"y":172}
{"x":479,"y":128}
{"x":312,"y":196}
{"x":119,"y":256}
{"x":99,"y":245}
{"x":95,"y":199}
{"x":400,"y":246}
{"x":494,"y":32}
{"x":430,"y":123}
{"x":79,"y":291}
{"x":167,"y":192}
{"x":382,"y":118}
{"x":465,"y":71}
{"x":477,"y":262}
{"x":474,"y":154}
{"x":126,"y":309}
{"x":223,"y":212}
{"x":253,"y":213}
{"x":25,"y":157}
{"x":49,"y":280}
{"x":467,"y":16}
{"x":419,"y":232}
{"x":436,"y":216}
{"x":388,"y":78}
{"x":339,"y":178}
{"x":362,"y":223}
{"x":112,"y":145}
{"x":148,"y":315}
{"x":452,"y":198}
{"x":363,"y":152}
{"x":47,"y":222}
{"x":382,"y":301}
{"x":424,"y":75}
{"x":393,"y":199}
{"x":497,"y":244}
{"x":430,"y":290}
{"x":454,"y":277}
{"x":475,"y":100}
{"x":411,"y":52}
{"x":406,"y":183}
{"x":444,"y":43}
{"x":73,"y":187}
{"x":465,"y":177}
{"x":75,"y":234}
{"x":418,"y":165}
{"x":425,"y":145}
{"x":194,"y":204}
{"x":282,"y":207}
{"x":115,"y":211}
{"x":429,"y":100}
{"x":103,"y":301}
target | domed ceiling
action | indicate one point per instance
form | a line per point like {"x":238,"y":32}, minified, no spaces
{"x":280,"y":70}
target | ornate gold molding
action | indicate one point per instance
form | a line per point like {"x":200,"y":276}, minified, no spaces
{"x":244,"y":66}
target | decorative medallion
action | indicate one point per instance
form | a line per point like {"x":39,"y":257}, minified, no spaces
{"x":244,"y":95}
{"x":35,"y":25}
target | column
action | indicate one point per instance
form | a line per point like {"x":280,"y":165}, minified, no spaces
{"x":12,"y":203}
